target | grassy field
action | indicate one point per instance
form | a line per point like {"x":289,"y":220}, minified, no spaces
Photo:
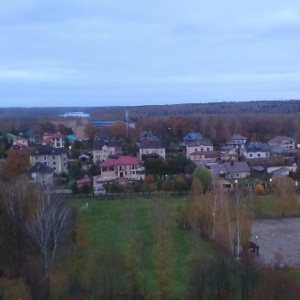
{"x":268,"y":208}
{"x":109,"y":218}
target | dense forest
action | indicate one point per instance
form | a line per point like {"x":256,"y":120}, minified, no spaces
{"x":270,"y":107}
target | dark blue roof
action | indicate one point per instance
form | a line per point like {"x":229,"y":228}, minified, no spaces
{"x":40,"y":168}
{"x":193,"y":136}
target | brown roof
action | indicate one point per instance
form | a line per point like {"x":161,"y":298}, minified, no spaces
{"x":205,"y":142}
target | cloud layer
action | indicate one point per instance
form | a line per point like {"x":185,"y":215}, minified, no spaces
{"x":87,"y":53}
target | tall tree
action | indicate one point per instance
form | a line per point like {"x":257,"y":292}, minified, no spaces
{"x":17,"y":163}
{"x":285,"y":194}
{"x":49,"y":228}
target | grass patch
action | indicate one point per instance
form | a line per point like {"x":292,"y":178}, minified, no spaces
{"x":267,"y":207}
{"x":109,"y":222}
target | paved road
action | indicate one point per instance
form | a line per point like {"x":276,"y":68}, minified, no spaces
{"x":281,"y":236}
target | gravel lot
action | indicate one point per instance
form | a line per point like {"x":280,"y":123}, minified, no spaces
{"x":281,"y":236}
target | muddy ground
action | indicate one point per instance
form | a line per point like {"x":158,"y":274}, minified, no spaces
{"x":280,"y":238}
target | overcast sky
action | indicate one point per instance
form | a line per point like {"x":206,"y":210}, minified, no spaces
{"x":103,"y":53}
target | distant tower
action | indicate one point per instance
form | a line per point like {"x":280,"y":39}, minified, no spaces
{"x":126,"y":121}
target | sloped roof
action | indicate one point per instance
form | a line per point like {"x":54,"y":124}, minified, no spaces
{"x":148,"y":144}
{"x":257,"y":147}
{"x":193,"y":136}
{"x":48,"y":150}
{"x":83,"y":181}
{"x":230,"y":167}
{"x":121,"y":160}
{"x":279,"y":172}
{"x":281,"y":138}
{"x":204,"y":142}
{"x":237,"y":136}
{"x":108,"y":141}
{"x":40,"y":168}
{"x":281,"y":150}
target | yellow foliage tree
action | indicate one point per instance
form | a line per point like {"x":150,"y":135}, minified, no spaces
{"x":285,"y":195}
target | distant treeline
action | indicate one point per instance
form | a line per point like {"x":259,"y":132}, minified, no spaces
{"x":266,"y":106}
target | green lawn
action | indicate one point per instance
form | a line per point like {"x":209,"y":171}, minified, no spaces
{"x":268,"y":208}
{"x":109,"y":219}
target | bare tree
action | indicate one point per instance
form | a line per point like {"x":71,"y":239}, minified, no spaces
{"x":50,"y":227}
{"x":239,"y":216}
{"x":14,"y":202}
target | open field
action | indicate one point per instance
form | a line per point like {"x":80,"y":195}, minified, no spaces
{"x":267,"y":207}
{"x":109,"y":219}
{"x":278,"y":238}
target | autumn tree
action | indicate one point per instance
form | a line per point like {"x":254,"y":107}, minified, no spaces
{"x":90,"y":131}
{"x":15,"y":206}
{"x":118,"y":130}
{"x":204,"y":178}
{"x":285,"y":194}
{"x":149,"y":183}
{"x":17,"y":163}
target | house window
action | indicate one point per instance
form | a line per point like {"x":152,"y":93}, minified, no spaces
{"x":45,"y":163}
{"x":201,"y":149}
{"x":45,"y":157}
{"x":36,"y":158}
{"x":53,"y":157}
{"x":250,"y":155}
{"x":54,"y":168}
{"x":54,"y":163}
{"x":258,"y":155}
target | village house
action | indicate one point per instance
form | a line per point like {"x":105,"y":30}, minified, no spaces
{"x":229,"y":153}
{"x":55,"y":158}
{"x":198,"y":149}
{"x":104,"y":148}
{"x":283,"y":141}
{"x":150,"y":146}
{"x":55,"y":140}
{"x":237,"y":141}
{"x":255,"y":150}
{"x":128,"y":167}
{"x":233,"y":169}
{"x":40,"y":173}
{"x":19,"y":143}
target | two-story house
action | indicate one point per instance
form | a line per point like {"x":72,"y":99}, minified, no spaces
{"x":128,"y":167}
{"x":104,"y":148}
{"x":237,"y":141}
{"x":55,"y":140}
{"x":20,"y":143}
{"x":255,"y":150}
{"x":283,"y":141}
{"x":198,"y":149}
{"x":55,"y":158}
{"x":149,"y":146}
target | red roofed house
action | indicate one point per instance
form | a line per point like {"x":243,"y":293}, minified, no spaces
{"x":128,"y":167}
{"x":82,"y":182}
{"x":56,"y":140}
{"x":20,"y":142}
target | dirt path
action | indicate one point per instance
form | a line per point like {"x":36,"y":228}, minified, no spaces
{"x":281,"y":236}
